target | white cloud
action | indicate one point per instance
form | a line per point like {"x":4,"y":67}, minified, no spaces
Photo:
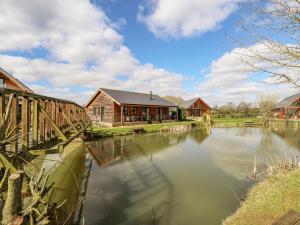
{"x":185,"y":18}
{"x":231,"y":79}
{"x":82,"y":48}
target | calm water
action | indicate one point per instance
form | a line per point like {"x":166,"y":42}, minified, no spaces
{"x":184,"y":179}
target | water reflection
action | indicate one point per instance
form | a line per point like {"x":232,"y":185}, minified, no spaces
{"x":290,"y":136}
{"x":188,"y":178}
{"x":110,"y":150}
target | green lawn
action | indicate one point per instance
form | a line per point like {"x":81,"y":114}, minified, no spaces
{"x":127,"y":130}
{"x":269,"y":200}
{"x":225,"y":122}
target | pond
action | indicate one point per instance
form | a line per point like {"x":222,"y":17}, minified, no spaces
{"x":192,"y":178}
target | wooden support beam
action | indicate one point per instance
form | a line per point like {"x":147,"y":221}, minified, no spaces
{"x":13,"y":119}
{"x":2,"y":104}
{"x":49,"y":111}
{"x":42,"y":124}
{"x":70,"y":122}
{"x":35,"y":122}
{"x":25,"y":121}
{"x":60,"y":134}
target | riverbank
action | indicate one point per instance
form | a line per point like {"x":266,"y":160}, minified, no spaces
{"x":146,"y":128}
{"x":269,"y":200}
{"x":234,"y":122}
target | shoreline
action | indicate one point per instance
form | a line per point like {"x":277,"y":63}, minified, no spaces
{"x":269,"y":200}
{"x":102,"y":132}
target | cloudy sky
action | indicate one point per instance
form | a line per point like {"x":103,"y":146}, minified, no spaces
{"x":71,"y":48}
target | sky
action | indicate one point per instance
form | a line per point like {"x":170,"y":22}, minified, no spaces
{"x":71,"y":48}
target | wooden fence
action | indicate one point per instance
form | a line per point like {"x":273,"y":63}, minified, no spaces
{"x":38,"y":120}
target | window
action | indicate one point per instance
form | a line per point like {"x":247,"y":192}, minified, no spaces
{"x":1,"y":83}
{"x":125,"y":110}
{"x":94,"y":111}
{"x":99,"y":111}
{"x":133,"y":110}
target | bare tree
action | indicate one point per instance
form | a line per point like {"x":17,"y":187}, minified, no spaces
{"x":266,"y":104}
{"x":273,"y":31}
{"x":174,"y":99}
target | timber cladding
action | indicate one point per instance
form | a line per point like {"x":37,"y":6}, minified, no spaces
{"x":117,"y":108}
{"x":94,"y":109}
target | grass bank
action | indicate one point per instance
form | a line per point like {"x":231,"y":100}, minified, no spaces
{"x":234,"y":122}
{"x":269,"y":200}
{"x":128,"y":130}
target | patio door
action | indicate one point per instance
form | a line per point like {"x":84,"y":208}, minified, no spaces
{"x":145,"y":114}
{"x":159,"y":114}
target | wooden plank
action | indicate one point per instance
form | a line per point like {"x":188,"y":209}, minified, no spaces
{"x":13,"y":119}
{"x":25,"y":123}
{"x":2,"y":104}
{"x":49,"y":111}
{"x":290,"y":218}
{"x":35,"y":123}
{"x":42,"y":123}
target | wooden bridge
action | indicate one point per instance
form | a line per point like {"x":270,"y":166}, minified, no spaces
{"x":37,"y":124}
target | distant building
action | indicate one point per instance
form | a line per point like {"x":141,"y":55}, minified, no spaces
{"x":195,"y":107}
{"x":289,"y":106}
{"x":9,"y":82}
{"x":118,"y":108}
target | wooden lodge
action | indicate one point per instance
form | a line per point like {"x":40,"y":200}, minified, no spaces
{"x":118,"y":108}
{"x":7,"y":81}
{"x":289,"y":107}
{"x":195,"y":107}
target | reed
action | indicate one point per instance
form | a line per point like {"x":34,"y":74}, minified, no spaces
{"x":284,"y":165}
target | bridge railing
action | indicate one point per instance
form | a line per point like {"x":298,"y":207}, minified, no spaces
{"x":37,"y":120}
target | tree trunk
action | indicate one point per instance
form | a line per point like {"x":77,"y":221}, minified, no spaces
{"x":13,"y":203}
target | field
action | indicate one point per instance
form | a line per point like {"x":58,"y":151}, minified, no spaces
{"x":234,"y":122}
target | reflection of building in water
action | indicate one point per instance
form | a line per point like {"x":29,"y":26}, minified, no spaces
{"x":290,"y":136}
{"x":199,"y":135}
{"x":108,"y":150}
{"x":105,"y":151}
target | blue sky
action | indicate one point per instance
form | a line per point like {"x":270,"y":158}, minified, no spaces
{"x":69,"y":48}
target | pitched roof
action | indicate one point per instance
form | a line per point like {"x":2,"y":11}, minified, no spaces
{"x":287,"y":101}
{"x":22,"y":86}
{"x":188,"y":103}
{"x":133,"y":98}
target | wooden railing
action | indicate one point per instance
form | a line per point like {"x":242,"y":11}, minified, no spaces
{"x":36,"y":120}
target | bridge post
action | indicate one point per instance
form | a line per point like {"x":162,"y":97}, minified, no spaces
{"x":25,"y":123}
{"x":35,"y":122}
{"x":14,"y":110}
{"x":2,"y":103}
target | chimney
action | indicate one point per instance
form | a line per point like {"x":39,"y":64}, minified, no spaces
{"x":151,"y":95}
